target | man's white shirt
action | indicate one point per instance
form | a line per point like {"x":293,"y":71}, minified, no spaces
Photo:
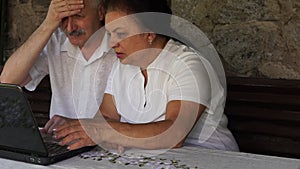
{"x":77,"y":84}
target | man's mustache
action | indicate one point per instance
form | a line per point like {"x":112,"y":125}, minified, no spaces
{"x":75,"y":32}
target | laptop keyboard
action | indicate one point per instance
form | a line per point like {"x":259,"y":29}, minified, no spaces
{"x":53,"y":146}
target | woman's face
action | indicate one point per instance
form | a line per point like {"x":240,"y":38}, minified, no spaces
{"x":127,"y":38}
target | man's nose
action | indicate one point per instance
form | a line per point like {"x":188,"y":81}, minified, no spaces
{"x":70,"y":24}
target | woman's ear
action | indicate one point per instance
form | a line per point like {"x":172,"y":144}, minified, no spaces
{"x":150,"y":38}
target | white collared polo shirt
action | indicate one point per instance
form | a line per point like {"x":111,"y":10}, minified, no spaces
{"x":178,"y":73}
{"x":77,"y":84}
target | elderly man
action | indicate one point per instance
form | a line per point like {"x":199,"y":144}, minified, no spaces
{"x":69,"y":46}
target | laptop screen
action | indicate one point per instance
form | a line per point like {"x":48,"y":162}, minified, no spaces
{"x":18,"y":129}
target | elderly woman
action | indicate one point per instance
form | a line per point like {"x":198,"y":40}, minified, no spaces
{"x":161,"y":93}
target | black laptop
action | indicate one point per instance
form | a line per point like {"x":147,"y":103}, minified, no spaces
{"x":20,"y":138}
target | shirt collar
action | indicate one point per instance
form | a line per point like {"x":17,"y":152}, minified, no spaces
{"x":162,"y":55}
{"x":73,"y":50}
{"x":69,"y":48}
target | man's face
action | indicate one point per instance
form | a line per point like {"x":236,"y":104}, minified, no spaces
{"x":81,"y":26}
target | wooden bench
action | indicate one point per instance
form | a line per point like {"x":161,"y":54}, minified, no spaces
{"x":264,"y":115}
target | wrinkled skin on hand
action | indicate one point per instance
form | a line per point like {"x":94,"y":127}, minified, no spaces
{"x":60,"y":9}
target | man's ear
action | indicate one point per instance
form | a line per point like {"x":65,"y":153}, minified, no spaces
{"x":101,"y":12}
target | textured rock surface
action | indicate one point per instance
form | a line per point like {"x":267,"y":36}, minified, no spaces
{"x":258,"y":38}
{"x":24,"y":16}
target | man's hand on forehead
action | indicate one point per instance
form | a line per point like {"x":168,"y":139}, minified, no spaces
{"x":60,"y":9}
{"x":67,"y":6}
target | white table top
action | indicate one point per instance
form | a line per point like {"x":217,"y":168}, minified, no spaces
{"x":188,"y":156}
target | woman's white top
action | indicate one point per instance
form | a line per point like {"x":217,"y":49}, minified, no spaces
{"x":178,"y":73}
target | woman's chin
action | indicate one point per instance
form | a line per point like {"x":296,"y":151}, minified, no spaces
{"x":124,"y":62}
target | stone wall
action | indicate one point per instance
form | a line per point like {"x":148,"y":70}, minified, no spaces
{"x":257,"y":38}
{"x":24,"y":16}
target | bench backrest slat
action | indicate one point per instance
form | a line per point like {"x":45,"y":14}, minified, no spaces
{"x":264,"y":115}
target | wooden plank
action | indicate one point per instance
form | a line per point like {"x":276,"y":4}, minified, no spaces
{"x":258,"y":85}
{"x":39,"y":96}
{"x":271,"y":98}
{"x":263,"y":89}
{"x":264,"y":82}
{"x":264,"y":127}
{"x":268,"y":145}
{"x":262,"y":113}
{"x":40,"y":106}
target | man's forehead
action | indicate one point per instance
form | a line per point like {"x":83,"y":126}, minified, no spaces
{"x":88,"y":6}
{"x":91,"y":3}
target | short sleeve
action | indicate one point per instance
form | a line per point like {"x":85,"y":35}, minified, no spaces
{"x":190,"y":81}
{"x":39,"y":70}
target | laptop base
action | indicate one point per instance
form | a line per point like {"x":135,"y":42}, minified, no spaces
{"x":31,"y":158}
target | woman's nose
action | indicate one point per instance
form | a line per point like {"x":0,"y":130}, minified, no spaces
{"x":113,"y":42}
